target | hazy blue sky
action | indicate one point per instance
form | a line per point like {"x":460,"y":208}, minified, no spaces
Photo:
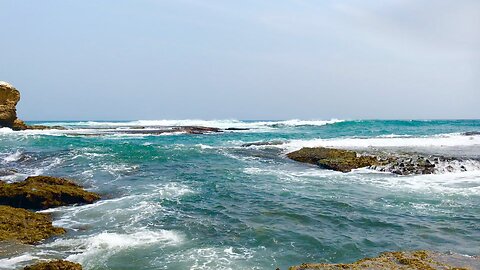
{"x":249,"y":59}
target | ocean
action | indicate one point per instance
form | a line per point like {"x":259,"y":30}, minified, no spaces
{"x":207,"y":201}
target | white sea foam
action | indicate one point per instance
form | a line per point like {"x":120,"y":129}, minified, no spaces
{"x":5,"y":130}
{"x":17,"y":155}
{"x":444,"y":140}
{"x":13,"y":262}
{"x":225,"y":258}
{"x":198,"y":122}
{"x":93,"y":251}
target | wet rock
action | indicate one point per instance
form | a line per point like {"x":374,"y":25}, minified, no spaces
{"x":236,"y":129}
{"x":419,"y":260}
{"x":20,"y":225}
{"x":334,"y":159}
{"x":262,"y":143}
{"x":54,"y":265}
{"x":197,"y":129}
{"x":42,"y":192}
{"x":9,"y":97}
{"x":401,"y":164}
{"x":471,"y":133}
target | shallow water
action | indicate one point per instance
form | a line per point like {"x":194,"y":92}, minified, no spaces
{"x":183,"y":201}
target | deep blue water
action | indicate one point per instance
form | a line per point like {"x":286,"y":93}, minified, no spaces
{"x":205,"y":202}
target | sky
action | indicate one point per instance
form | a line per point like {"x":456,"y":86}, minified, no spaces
{"x":249,"y":59}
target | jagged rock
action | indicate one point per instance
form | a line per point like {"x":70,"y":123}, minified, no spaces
{"x":42,"y":192}
{"x":54,"y":265}
{"x":418,"y":260}
{"x":401,"y":164}
{"x":9,"y":97}
{"x":334,"y":159}
{"x":24,"y":226}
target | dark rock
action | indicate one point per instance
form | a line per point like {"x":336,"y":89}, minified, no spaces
{"x":197,"y":129}
{"x":334,"y":159}
{"x":471,"y":133}
{"x":235,"y":129}
{"x":262,"y":143}
{"x":24,"y":226}
{"x":419,"y":260}
{"x":54,"y":265}
{"x":42,"y":192}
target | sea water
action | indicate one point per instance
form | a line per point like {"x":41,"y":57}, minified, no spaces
{"x":183,"y":201}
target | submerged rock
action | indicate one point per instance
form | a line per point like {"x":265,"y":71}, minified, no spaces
{"x":42,"y":192}
{"x":333,"y":159}
{"x":9,"y":97}
{"x":54,"y":265}
{"x":419,"y":260}
{"x":24,"y":226}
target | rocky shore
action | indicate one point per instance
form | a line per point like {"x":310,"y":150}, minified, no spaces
{"x":411,"y":260}
{"x":19,"y":224}
{"x":398,"y":163}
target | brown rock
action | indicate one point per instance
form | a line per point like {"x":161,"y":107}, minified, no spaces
{"x":333,"y":159}
{"x":54,"y":265}
{"x":42,"y":192}
{"x":9,"y":97}
{"x":24,"y":226}
{"x":413,"y":260}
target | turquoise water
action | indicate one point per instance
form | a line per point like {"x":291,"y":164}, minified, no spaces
{"x":205,"y":202}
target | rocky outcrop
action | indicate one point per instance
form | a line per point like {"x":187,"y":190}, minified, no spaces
{"x":418,"y":260}
{"x":24,"y":226}
{"x":333,"y":159}
{"x":42,"y":192}
{"x":9,"y":97}
{"x":54,"y":265}
{"x":401,"y":164}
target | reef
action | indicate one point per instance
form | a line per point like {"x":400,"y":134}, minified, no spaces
{"x":20,"y":225}
{"x":408,"y":260}
{"x":333,"y":159}
{"x":401,"y":164}
{"x":54,"y":265}
{"x":42,"y":192}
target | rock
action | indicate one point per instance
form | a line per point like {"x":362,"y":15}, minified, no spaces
{"x":236,"y":129}
{"x":262,"y":143}
{"x":471,"y":133}
{"x":42,"y":192}
{"x":54,"y":265}
{"x":334,"y":159}
{"x":346,"y":160}
{"x":419,"y":260}
{"x":197,"y":129}
{"x":9,"y":97}
{"x":24,"y":226}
